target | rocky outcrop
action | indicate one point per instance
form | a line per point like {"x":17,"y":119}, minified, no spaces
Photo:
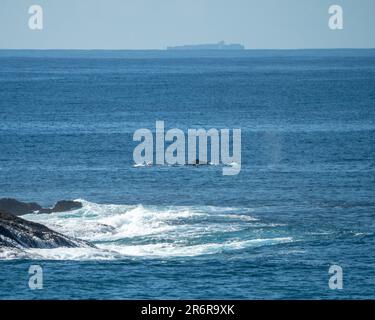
{"x":18,"y":208}
{"x":16,"y":232}
{"x":63,"y":206}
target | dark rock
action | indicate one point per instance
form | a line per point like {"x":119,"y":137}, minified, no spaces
{"x":18,"y":208}
{"x":19,"y":233}
{"x":63,"y":206}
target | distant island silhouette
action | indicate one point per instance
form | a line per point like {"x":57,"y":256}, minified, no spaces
{"x":210,"y":46}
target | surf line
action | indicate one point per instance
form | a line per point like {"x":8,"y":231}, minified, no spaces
{"x":152,"y":310}
{"x":175,"y":153}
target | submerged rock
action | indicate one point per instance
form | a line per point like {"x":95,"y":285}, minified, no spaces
{"x":16,"y":232}
{"x":18,"y":208}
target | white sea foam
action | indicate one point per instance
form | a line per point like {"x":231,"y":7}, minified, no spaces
{"x":146,"y":164}
{"x":159,"y":250}
{"x":12,"y":253}
{"x":125,"y":231}
{"x":172,"y":250}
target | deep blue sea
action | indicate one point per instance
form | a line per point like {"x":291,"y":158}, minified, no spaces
{"x":303,"y":201}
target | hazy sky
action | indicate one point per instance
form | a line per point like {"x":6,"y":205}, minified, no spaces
{"x":155,"y":24}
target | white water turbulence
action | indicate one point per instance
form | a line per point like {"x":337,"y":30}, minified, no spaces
{"x":137,"y":231}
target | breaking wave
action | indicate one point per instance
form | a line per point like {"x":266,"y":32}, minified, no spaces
{"x":126,"y":231}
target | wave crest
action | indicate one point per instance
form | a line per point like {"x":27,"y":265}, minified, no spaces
{"x":123,"y":231}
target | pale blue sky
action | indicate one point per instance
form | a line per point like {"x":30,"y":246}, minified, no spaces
{"x":155,"y":24}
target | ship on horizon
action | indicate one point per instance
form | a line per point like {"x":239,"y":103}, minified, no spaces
{"x":221,"y":45}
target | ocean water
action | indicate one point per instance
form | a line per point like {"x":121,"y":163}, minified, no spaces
{"x":303,"y":201}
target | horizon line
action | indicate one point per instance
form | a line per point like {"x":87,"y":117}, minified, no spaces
{"x":184,"y":50}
